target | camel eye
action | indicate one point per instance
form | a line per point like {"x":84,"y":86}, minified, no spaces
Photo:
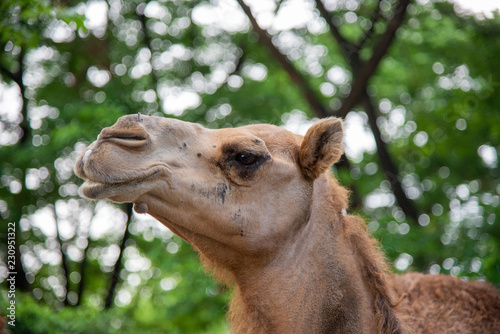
{"x":245,"y":159}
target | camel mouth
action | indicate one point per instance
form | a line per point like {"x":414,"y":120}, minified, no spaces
{"x":99,"y":189}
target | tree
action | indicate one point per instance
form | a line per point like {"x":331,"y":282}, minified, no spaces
{"x":429,"y":188}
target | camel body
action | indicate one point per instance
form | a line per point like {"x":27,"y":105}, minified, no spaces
{"x":258,"y":205}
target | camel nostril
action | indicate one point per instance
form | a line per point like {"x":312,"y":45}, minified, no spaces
{"x":126,"y":139}
{"x":128,"y":142}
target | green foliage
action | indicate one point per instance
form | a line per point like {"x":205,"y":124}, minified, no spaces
{"x":36,"y":318}
{"x":437,"y":91}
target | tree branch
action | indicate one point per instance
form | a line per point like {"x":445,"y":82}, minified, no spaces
{"x":390,"y":170}
{"x":278,"y":6}
{"x":83,"y":276}
{"x":368,"y":35}
{"x":83,"y":264}
{"x":362,"y":77}
{"x":118,"y":264}
{"x":296,"y":77}
{"x":349,"y":50}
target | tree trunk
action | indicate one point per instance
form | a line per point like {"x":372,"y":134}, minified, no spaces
{"x":363,"y":75}
{"x":115,"y":276}
{"x":64,"y":260}
{"x":83,"y":264}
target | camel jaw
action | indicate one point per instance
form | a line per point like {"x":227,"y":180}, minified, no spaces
{"x":97,"y":190}
{"x":119,"y":191}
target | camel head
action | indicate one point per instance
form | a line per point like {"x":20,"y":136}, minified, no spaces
{"x":236,"y":189}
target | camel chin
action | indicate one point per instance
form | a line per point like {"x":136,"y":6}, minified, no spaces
{"x":124,"y":192}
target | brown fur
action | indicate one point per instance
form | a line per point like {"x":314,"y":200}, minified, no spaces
{"x":448,"y":304}
{"x":257,"y":204}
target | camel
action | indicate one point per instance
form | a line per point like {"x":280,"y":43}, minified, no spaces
{"x":258,"y":204}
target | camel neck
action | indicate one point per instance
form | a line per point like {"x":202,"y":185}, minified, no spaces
{"x":313,"y":285}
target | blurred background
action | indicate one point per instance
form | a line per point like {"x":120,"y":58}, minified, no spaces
{"x":417,"y":83}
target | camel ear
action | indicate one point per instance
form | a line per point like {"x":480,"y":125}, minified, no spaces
{"x":321,"y":147}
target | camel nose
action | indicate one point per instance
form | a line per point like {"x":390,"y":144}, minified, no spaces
{"x":128,"y":132}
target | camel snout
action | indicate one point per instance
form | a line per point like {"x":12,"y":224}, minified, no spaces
{"x":127,"y":134}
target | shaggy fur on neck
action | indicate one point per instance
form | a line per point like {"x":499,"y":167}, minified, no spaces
{"x":247,"y":316}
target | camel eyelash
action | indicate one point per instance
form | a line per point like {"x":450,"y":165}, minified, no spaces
{"x":249,"y":159}
{"x":246,"y":159}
